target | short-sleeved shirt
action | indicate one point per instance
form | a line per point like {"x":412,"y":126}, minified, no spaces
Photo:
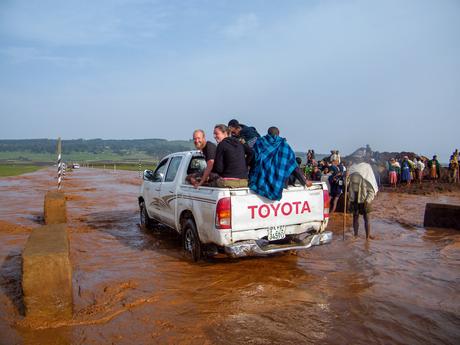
{"x":209,"y":151}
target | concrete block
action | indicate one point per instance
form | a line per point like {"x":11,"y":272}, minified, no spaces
{"x":442,"y":216}
{"x":47,"y":274}
{"x":55,"y":208}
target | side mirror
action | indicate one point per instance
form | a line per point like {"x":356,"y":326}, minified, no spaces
{"x":158,"y":177}
{"x":148,"y":175}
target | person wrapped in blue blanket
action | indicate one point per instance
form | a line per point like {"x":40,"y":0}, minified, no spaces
{"x":274,"y":161}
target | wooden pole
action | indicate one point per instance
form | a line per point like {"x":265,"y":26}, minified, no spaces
{"x":345,"y":206}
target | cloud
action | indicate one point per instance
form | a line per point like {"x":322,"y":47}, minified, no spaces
{"x":328,"y":73}
{"x":77,"y":23}
{"x":22,"y":54}
{"x":245,"y":25}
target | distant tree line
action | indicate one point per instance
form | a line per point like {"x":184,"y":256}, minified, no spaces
{"x":154,"y":147}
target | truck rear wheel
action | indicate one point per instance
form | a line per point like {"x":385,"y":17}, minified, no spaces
{"x":146,"y":221}
{"x":191,"y":241}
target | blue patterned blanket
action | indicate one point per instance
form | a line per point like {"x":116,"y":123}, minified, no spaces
{"x":274,"y":161}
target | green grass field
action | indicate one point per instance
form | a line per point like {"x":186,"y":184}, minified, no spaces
{"x":80,"y":157}
{"x":123,"y":165}
{"x":13,"y":163}
{"x":17,"y":169}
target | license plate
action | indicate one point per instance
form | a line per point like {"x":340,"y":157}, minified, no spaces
{"x":277,"y":232}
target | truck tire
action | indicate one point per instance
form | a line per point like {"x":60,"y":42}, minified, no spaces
{"x":191,"y":241}
{"x":146,"y":221}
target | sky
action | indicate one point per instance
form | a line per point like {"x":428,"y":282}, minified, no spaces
{"x":330,"y":74}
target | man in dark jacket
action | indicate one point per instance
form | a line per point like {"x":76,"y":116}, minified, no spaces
{"x":247,"y":135}
{"x":230,"y":159}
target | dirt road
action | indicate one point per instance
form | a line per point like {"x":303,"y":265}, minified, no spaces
{"x":133,"y":286}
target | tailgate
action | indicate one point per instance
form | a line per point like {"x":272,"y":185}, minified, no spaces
{"x":298,"y":205}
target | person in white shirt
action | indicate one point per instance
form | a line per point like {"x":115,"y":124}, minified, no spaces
{"x":420,"y":167}
{"x":325,"y":178}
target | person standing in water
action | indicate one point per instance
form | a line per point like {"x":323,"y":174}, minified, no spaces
{"x":362,"y":191}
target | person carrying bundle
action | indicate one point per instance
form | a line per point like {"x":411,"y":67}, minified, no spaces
{"x":362,"y":191}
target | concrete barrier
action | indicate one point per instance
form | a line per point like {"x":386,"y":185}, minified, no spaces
{"x":47,"y":274}
{"x":55,"y":208}
{"x":442,"y":216}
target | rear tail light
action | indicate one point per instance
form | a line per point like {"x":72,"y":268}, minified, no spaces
{"x":326,"y":203}
{"x":224,"y":214}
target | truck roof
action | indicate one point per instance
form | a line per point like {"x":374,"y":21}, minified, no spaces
{"x":193,"y":153}
{"x":184,"y":152}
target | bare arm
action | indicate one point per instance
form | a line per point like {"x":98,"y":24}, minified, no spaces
{"x":207,"y":171}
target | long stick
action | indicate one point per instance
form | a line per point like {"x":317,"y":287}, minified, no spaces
{"x":345,"y":208}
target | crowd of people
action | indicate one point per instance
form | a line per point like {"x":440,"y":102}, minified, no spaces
{"x":330,"y":170}
{"x":364,"y":177}
{"x":396,"y":171}
{"x":420,"y":168}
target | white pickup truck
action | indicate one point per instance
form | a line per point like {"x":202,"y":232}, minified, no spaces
{"x":237,"y":221}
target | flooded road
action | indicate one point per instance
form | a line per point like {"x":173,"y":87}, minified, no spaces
{"x":134,"y":286}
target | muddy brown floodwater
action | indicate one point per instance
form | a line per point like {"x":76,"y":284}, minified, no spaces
{"x":133,"y":286}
